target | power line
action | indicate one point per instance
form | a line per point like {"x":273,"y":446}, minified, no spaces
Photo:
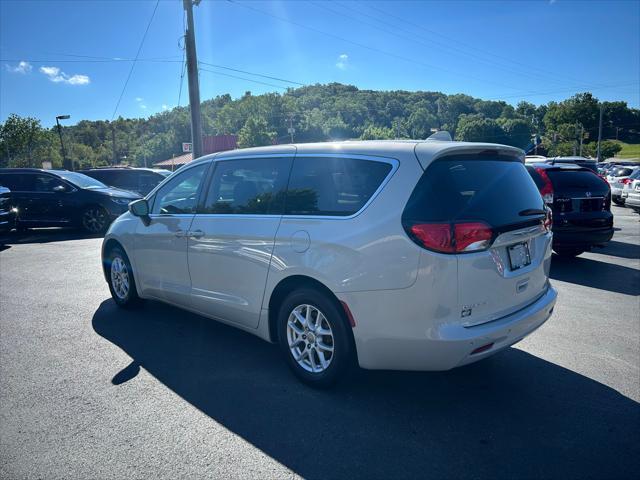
{"x":579,"y":87}
{"x":183,"y":67}
{"x":417,"y":40}
{"x":368,"y":47}
{"x":242,"y":78}
{"x":467,"y":45}
{"x":251,"y":73}
{"x":153,"y":14}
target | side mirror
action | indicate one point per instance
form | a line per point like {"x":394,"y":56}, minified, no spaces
{"x":59,"y":189}
{"x":140,"y":208}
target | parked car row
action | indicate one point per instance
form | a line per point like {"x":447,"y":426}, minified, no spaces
{"x":58,"y":198}
{"x":631,"y":191}
{"x":581,"y":204}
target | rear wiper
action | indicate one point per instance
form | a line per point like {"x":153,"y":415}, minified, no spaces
{"x":532,"y":211}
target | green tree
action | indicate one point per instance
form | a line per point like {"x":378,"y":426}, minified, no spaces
{"x":377,"y":133}
{"x":255,"y":133}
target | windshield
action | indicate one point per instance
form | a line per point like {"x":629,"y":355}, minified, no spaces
{"x":82,"y":181}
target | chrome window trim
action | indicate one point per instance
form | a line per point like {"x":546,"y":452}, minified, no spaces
{"x":395,"y":164}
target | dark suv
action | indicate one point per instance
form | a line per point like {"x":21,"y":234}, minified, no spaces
{"x":58,"y":198}
{"x":581,"y":205}
{"x":138,"y":180}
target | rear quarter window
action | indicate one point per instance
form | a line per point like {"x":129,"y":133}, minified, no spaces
{"x":465,"y":188}
{"x":333,"y":186}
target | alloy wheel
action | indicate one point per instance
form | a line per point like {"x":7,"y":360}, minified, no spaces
{"x":120,"y":277}
{"x":94,"y":220}
{"x":310,"y":338}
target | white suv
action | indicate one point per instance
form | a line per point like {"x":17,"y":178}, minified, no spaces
{"x":413,"y":255}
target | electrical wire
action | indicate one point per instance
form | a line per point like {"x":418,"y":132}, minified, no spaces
{"x":242,"y":78}
{"x":369,"y":47}
{"x":251,"y":73}
{"x":124,"y":87}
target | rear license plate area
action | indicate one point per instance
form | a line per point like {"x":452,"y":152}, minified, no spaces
{"x":519,"y":256}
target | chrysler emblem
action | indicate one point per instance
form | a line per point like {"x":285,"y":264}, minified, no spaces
{"x":588,"y":194}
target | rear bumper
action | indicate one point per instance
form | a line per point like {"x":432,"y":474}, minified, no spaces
{"x":582,"y":237}
{"x":632,"y":200}
{"x":447,"y":346}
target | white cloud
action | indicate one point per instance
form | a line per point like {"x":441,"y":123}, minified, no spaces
{"x":165,"y":106}
{"x":139,"y":101}
{"x":343,"y":61}
{"x":57,"y":76}
{"x":22,"y":67}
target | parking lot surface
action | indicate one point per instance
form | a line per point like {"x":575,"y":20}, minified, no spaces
{"x":91,"y":391}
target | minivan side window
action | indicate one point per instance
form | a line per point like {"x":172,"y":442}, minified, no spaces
{"x":333,"y":186}
{"x":180,"y":195}
{"x":250,"y":186}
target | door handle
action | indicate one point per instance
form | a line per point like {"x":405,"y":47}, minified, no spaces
{"x":181,"y":234}
{"x":196,"y":234}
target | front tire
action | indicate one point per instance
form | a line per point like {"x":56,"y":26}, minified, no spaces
{"x":94,"y":220}
{"x":120,"y":279}
{"x":313,"y":337}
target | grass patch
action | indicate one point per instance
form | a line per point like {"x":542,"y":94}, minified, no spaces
{"x":629,"y":150}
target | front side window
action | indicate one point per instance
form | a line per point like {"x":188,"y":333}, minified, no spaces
{"x":252,"y":186}
{"x":180,"y":195}
{"x":333,"y":186}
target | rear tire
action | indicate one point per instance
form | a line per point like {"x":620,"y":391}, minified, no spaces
{"x":569,"y":251}
{"x":122,"y":285}
{"x":313,"y":337}
{"x":618,"y":201}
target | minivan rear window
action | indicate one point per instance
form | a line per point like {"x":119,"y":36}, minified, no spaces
{"x":575,"y":180}
{"x":496,"y":191}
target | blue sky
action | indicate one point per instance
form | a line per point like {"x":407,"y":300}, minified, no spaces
{"x":536,"y":51}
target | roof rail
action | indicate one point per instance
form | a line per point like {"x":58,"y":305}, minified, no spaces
{"x":440,"y":136}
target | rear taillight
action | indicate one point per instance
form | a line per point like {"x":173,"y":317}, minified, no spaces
{"x":452,"y":237}
{"x":625,"y":181}
{"x":548,"y":220}
{"x":547,"y":189}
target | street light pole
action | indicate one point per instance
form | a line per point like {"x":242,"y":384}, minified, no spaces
{"x":65,"y":162}
{"x":192,"y":76}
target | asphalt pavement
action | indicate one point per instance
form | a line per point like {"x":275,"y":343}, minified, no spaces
{"x":89,"y":391}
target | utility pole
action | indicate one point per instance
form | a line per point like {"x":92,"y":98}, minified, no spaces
{"x":114,"y":160}
{"x":575,"y":143}
{"x":581,"y":138}
{"x":194,"y":84}
{"x":599,"y":134}
{"x":291,"y":129}
{"x":65,"y":162}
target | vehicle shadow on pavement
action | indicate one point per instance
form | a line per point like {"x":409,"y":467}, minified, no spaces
{"x":620,"y":249}
{"x":596,"y":274}
{"x":47,"y":235}
{"x":513,"y":415}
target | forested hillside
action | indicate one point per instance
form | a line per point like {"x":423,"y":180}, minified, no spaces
{"x":323,"y":112}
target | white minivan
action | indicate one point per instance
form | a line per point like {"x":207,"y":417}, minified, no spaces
{"x":412,"y":255}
